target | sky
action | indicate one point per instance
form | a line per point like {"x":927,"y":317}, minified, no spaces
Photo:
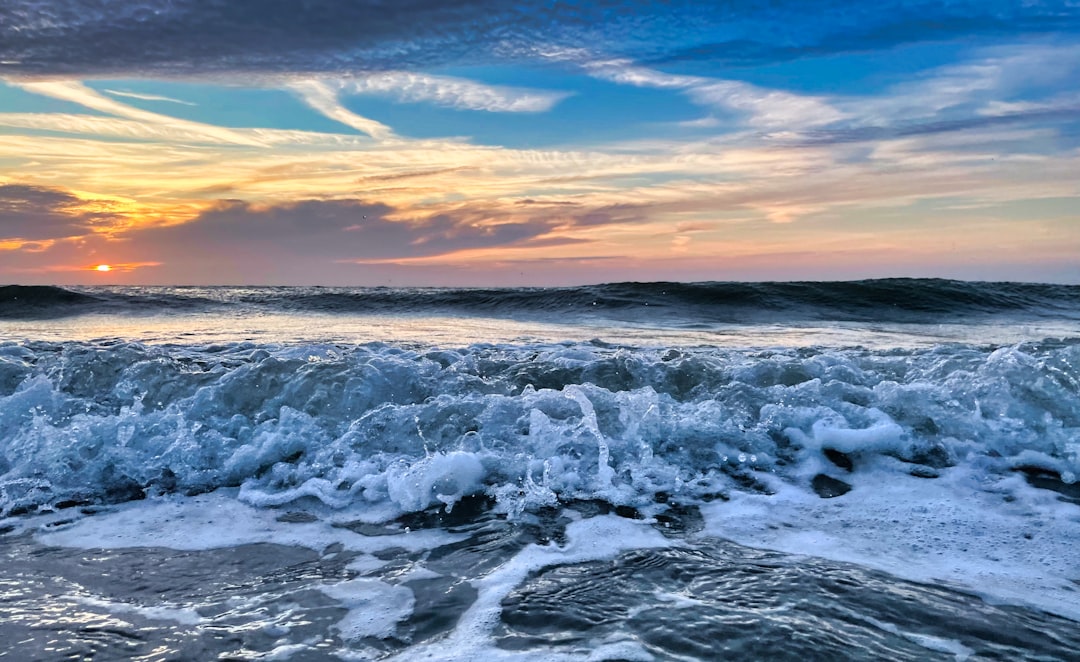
{"x":503,"y":143}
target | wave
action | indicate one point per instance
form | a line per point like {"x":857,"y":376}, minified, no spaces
{"x":36,"y":301}
{"x":50,"y":302}
{"x":527,"y":426}
{"x":885,"y":300}
{"x":867,"y":300}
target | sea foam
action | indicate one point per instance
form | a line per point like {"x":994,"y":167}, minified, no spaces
{"x":400,"y":430}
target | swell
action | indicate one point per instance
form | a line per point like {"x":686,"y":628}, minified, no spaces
{"x":37,"y":301}
{"x":866,"y":300}
{"x":52,"y":302}
{"x":884,"y":300}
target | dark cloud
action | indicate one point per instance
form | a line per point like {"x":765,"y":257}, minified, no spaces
{"x":890,"y":24}
{"x":34,"y":213}
{"x":548,"y":203}
{"x":415,"y":174}
{"x":240,"y":242}
{"x":321,"y":232}
{"x":611,"y":214}
{"x":198,"y":37}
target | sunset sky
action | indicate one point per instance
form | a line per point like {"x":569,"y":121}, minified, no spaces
{"x":423,"y":142}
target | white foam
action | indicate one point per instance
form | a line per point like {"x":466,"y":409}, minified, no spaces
{"x":375,"y":607}
{"x":416,"y":573}
{"x":881,"y":436}
{"x":995,"y":537}
{"x":592,"y":539}
{"x":216,"y":520}
{"x":287,"y":651}
{"x":184,"y":615}
{"x":959,"y":651}
{"x":365,"y":564}
{"x":631,"y":651}
{"x":394,"y":430}
{"x":439,"y":477}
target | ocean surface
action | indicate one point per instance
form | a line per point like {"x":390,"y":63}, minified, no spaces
{"x":882,"y":469}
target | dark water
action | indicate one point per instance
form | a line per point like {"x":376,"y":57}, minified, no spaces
{"x":708,"y":600}
{"x":867,"y":470}
{"x":882,"y":300}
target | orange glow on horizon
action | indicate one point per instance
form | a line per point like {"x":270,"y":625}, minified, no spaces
{"x":103,"y":267}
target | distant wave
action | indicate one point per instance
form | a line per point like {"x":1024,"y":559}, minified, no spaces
{"x":50,"y":302}
{"x":886,"y":300}
{"x":17,"y":301}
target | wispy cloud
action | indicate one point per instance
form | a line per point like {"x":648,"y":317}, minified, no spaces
{"x":954,"y":97}
{"x":324,"y":96}
{"x":451,"y":92}
{"x":76,"y":92}
{"x":147,"y":97}
{"x":974,"y":86}
{"x":325,"y":100}
{"x":763,"y":108}
{"x":103,"y":127}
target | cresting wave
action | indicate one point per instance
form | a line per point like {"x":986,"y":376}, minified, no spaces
{"x":885,"y":300}
{"x":395,"y":430}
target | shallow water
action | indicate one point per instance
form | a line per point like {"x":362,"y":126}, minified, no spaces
{"x":674,"y":594}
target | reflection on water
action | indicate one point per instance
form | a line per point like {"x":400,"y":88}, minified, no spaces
{"x":448,"y":330}
{"x":690,"y":598}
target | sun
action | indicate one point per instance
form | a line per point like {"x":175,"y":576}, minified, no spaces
{"x":103,"y":267}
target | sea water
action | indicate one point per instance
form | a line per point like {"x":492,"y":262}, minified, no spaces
{"x":865,"y":470}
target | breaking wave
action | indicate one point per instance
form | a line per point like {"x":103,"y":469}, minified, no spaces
{"x":525,"y":426}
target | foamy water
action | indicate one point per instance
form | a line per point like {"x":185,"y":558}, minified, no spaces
{"x":297,"y":480}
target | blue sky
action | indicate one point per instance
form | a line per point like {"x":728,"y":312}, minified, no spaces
{"x":480,"y":143}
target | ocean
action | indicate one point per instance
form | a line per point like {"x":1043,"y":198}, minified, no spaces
{"x":881,"y":469}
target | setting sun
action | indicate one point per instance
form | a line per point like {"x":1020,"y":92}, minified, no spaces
{"x":103,"y":267}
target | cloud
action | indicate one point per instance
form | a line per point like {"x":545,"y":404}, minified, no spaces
{"x":76,"y":92}
{"x":325,"y":100}
{"x":316,"y":240}
{"x":331,"y":231}
{"x":324,"y":96}
{"x":780,"y":32}
{"x":30,"y":214}
{"x":148,"y":97}
{"x":707,"y":122}
{"x":990,"y":76}
{"x":85,"y":37}
{"x":626,"y":72}
{"x":188,"y":37}
{"x":412,"y":174}
{"x":763,"y":108}
{"x":1006,"y":85}
{"x":1000,"y":85}
{"x":114,"y":268}
{"x":310,"y":241}
{"x":1044,"y":116}
{"x":98,"y":127}
{"x":452,"y":92}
